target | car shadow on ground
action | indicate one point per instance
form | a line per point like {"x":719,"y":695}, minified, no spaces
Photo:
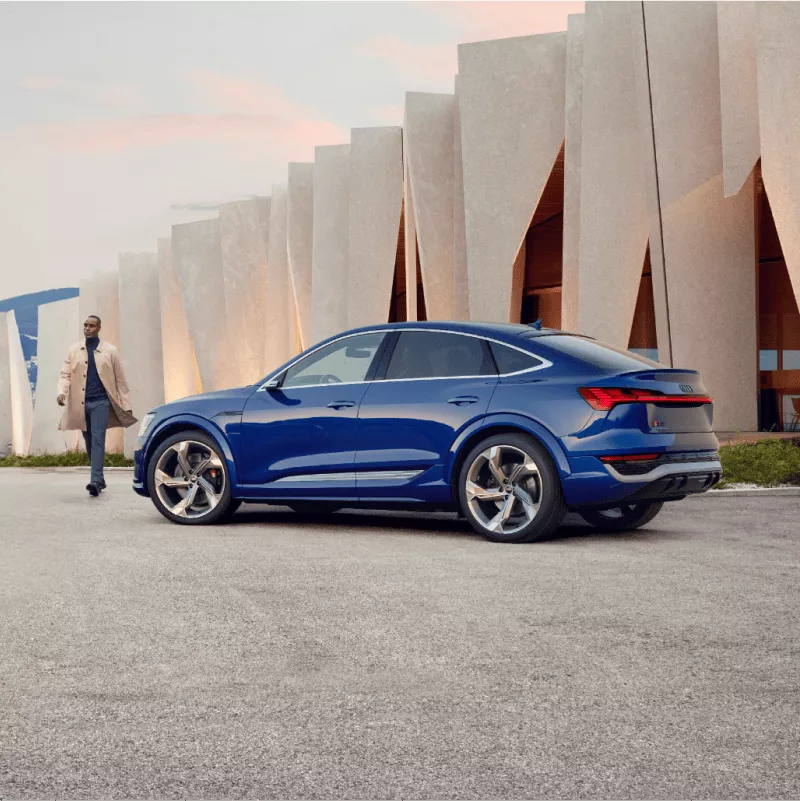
{"x":434,"y":524}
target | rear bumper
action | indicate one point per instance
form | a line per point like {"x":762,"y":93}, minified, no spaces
{"x":593,"y":483}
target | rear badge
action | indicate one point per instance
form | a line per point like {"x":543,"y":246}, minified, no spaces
{"x":686,"y":388}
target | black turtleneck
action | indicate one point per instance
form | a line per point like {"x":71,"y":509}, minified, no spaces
{"x":94,"y":386}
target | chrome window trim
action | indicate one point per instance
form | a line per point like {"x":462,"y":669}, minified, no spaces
{"x":545,"y":363}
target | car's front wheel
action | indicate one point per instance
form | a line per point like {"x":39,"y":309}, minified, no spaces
{"x":510,"y":490}
{"x":624,"y":517}
{"x":188,"y":480}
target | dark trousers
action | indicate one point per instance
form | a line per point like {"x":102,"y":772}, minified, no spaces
{"x":95,"y":436}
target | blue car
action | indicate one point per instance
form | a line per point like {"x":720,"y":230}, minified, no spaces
{"x":509,"y":425}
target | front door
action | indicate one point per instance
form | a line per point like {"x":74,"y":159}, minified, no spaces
{"x":298,"y":439}
{"x":436,"y":384}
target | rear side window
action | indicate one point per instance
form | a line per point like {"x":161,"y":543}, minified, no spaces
{"x":511,"y":360}
{"x":438,"y":354}
{"x":606,"y":357}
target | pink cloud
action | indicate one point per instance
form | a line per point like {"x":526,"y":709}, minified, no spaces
{"x":428,"y":62}
{"x":123,"y":97}
{"x":470,"y":21}
{"x":482,"y":20}
{"x":243,"y":114}
{"x":389,"y":115}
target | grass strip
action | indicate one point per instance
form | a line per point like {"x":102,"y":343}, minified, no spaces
{"x":67,"y":459}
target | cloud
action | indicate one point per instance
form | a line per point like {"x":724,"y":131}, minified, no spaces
{"x":429,"y":62}
{"x":201,"y":206}
{"x":469,"y":22}
{"x":389,"y":115}
{"x":499,"y":20}
{"x":245,"y":114}
{"x":117,"y":96}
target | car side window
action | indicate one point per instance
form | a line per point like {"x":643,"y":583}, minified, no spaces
{"x":511,"y":360}
{"x":439,"y":354}
{"x":344,"y":361}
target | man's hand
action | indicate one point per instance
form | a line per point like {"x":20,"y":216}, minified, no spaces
{"x":62,"y":399}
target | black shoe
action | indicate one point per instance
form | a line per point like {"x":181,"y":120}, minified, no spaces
{"x":101,"y":484}
{"x":94,"y":489}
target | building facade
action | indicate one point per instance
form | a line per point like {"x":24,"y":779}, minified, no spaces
{"x":635,"y":178}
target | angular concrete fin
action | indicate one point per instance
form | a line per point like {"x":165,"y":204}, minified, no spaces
{"x":376,"y":199}
{"x":512,"y":100}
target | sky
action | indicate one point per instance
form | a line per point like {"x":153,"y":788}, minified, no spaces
{"x":121,"y":119}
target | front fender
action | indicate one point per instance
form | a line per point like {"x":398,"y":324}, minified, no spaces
{"x":144,"y":450}
{"x":525,"y":425}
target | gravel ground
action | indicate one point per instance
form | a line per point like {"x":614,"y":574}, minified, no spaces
{"x":382,"y":656}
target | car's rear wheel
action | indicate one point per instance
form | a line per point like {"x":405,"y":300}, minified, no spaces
{"x":623,"y":517}
{"x":188,"y":480}
{"x":510,"y":491}
{"x":314,"y":507}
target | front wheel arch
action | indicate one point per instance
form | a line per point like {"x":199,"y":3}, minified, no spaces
{"x":177,"y":425}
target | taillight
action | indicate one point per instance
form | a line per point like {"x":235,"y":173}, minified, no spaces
{"x":630,"y":457}
{"x":606,"y":398}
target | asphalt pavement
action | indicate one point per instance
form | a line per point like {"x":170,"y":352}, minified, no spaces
{"x":370,"y":655}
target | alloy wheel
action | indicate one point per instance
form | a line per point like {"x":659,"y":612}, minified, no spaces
{"x":189,"y":479}
{"x":504,"y":489}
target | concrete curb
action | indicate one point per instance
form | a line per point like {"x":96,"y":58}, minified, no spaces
{"x":752,"y":492}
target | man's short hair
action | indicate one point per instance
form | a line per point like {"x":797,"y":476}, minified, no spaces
{"x":99,"y":321}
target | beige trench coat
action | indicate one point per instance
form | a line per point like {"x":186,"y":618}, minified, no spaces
{"x":73,"y":384}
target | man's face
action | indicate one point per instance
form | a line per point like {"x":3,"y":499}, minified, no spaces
{"x":91,"y":328}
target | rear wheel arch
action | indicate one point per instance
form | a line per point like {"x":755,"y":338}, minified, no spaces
{"x":464,"y":448}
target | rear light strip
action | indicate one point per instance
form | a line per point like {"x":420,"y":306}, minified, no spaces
{"x":630,"y":457}
{"x":603,"y":399}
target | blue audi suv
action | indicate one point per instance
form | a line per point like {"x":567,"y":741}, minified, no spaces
{"x":510,"y":425}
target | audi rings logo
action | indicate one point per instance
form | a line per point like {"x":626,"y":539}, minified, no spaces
{"x":686,"y":388}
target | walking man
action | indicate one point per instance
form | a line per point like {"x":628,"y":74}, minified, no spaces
{"x":94,"y":390}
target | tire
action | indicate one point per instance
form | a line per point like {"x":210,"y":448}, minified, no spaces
{"x":169,"y":486}
{"x":314,"y":507}
{"x":525,"y":504}
{"x":624,"y":517}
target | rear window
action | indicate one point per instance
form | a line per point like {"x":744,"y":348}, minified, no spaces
{"x":511,"y":360}
{"x":606,"y":357}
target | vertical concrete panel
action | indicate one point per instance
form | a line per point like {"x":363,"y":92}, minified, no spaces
{"x":140,"y":335}
{"x":300,"y":243}
{"x":512,"y":95}
{"x":428,"y":129}
{"x":709,"y":240}
{"x":197,"y":257}
{"x":21,"y":396}
{"x":329,"y":280}
{"x":648,"y":154}
{"x":99,"y":295}
{"x":613,"y":206}
{"x":244,"y":237}
{"x":738,"y":78}
{"x":58,"y":323}
{"x":277,"y":346}
{"x":572,"y":173}
{"x":6,"y":417}
{"x":460,"y":270}
{"x":409,"y":239}
{"x":181,"y":376}
{"x":779,"y":114}
{"x":376,"y":199}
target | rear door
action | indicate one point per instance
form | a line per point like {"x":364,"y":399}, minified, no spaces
{"x":435,"y":383}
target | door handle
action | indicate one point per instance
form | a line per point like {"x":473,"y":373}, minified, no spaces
{"x":341,"y":404}
{"x":463,"y":400}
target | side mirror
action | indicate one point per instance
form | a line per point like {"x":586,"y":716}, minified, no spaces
{"x":272,"y":384}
